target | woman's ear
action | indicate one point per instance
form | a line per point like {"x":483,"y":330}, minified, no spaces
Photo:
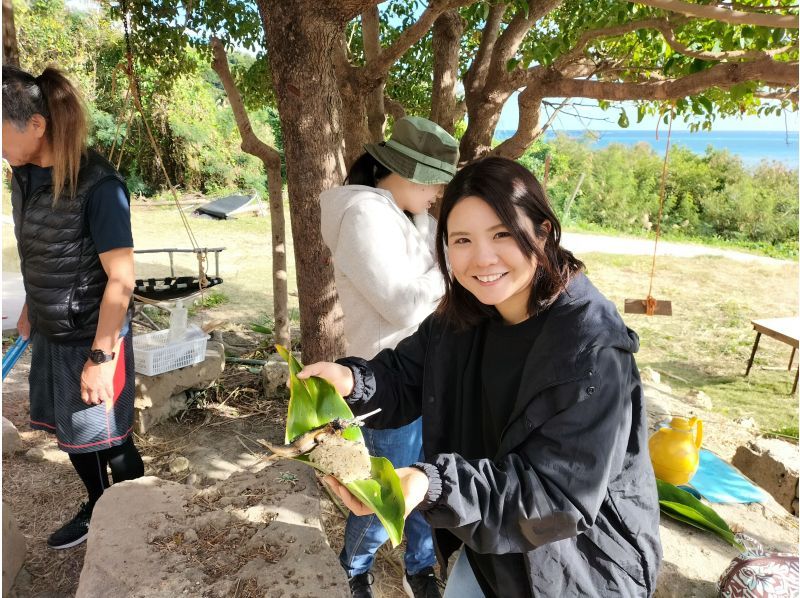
{"x":547,"y":226}
{"x":38,"y":125}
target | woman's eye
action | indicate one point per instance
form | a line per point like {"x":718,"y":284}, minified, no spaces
{"x":503,"y":234}
{"x":459,"y":241}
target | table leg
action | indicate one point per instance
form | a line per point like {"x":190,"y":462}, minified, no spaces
{"x":794,"y":386}
{"x":753,"y":353}
{"x":791,"y":359}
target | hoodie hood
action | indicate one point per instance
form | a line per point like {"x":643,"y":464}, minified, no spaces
{"x":335,"y":202}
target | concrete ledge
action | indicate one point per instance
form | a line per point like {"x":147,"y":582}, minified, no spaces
{"x":772,"y":464}
{"x":162,"y":396}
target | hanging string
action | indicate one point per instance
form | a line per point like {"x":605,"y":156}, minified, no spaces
{"x":650,"y":302}
{"x":134,"y":88}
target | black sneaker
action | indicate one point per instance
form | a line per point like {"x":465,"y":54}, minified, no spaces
{"x":360,"y":585}
{"x":74,"y":531}
{"x":422,"y":584}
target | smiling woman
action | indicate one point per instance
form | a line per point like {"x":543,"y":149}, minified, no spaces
{"x":534,"y":426}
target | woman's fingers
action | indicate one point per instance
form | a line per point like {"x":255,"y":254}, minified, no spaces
{"x":340,"y":376}
{"x":351,"y":502}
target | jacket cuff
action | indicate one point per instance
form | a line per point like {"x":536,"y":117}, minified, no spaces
{"x":434,"y":485}
{"x":363,"y":379}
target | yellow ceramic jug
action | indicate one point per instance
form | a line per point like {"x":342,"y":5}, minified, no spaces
{"x":675,"y":450}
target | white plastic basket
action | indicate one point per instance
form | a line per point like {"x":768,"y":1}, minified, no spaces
{"x":153,"y":353}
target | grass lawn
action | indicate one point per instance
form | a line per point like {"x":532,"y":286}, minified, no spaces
{"x":704,"y":345}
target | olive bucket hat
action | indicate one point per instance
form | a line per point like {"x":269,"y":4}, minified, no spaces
{"x":418,"y":150}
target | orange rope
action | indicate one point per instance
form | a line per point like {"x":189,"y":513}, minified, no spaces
{"x":651,"y":302}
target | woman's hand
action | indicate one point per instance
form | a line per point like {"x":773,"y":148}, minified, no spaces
{"x":413,"y":482}
{"x":97,"y":383}
{"x":24,"y":324}
{"x":340,"y":376}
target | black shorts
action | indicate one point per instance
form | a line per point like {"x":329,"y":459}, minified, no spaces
{"x":55,"y":396}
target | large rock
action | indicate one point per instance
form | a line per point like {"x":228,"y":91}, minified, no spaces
{"x":772,"y":464}
{"x":274,"y":376}
{"x":14,"y":549}
{"x":162,"y":396}
{"x":11,"y":440}
{"x":256,"y":533}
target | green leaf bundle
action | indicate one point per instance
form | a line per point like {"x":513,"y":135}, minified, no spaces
{"x":314,"y":402}
{"x":681,"y":505}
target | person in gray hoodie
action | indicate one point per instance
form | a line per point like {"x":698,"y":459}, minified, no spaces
{"x":381,"y":237}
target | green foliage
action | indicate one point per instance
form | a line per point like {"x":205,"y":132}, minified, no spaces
{"x":711,"y":196}
{"x":682,"y":506}
{"x":313,"y":403}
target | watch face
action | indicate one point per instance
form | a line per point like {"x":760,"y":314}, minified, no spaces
{"x":97,"y":356}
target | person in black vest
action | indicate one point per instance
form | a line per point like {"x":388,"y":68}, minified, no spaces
{"x":533,"y":415}
{"x":72,"y":223}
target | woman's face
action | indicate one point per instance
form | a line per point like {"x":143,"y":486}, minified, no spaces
{"x":412,"y":197}
{"x":486,"y":260}
{"x":23,"y":147}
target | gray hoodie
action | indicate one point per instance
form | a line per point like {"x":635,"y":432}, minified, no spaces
{"x":384,"y":265}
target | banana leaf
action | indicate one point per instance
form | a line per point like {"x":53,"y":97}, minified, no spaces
{"x":682,"y":506}
{"x":314,"y":402}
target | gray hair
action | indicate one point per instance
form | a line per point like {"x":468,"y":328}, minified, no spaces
{"x":22,"y":97}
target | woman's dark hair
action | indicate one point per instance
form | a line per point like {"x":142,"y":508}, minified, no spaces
{"x":53,"y":96}
{"x":366,"y":170}
{"x":511,"y":191}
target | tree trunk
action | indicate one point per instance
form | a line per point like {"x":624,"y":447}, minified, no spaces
{"x":355,"y":121}
{"x":447,"y":31}
{"x":484,"y":115}
{"x":272,"y":164}
{"x":299,"y":35}
{"x":376,"y":111}
{"x":10,"y":48}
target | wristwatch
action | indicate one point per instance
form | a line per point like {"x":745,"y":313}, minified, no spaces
{"x":99,"y":356}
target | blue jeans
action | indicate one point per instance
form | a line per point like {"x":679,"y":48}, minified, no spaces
{"x":364,"y":535}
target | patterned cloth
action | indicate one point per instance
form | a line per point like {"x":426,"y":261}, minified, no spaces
{"x":55,"y":397}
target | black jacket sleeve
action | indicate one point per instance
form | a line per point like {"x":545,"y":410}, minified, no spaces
{"x":552,"y":486}
{"x":391,"y":381}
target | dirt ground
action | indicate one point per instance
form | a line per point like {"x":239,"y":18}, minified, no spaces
{"x":220,"y":429}
{"x":44,"y":492}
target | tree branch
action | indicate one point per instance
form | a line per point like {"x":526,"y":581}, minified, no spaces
{"x":509,"y":41}
{"x":476,"y":75}
{"x":272,"y":164}
{"x":378,"y":70}
{"x":447,"y":31}
{"x":530,"y":107}
{"x":716,"y":13}
{"x":722,"y":75}
{"x":394,"y":108}
{"x":250,"y":142}
{"x":669,"y":36}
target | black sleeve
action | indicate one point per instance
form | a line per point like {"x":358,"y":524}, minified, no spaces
{"x":553,"y":485}
{"x":391,"y":381}
{"x":109,"y":216}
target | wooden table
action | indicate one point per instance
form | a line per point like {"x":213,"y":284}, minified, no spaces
{"x":786,"y":330}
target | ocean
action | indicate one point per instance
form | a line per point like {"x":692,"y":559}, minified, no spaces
{"x":751,"y":146}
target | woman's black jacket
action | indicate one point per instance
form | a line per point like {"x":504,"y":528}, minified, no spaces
{"x":571,"y":488}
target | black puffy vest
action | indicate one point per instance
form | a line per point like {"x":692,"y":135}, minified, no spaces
{"x":64,"y":279}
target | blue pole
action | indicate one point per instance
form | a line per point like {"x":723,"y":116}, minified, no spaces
{"x":13,"y":354}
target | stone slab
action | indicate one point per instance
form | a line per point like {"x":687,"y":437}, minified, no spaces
{"x":11,"y":440}
{"x":772,"y":464}
{"x":14,"y":549}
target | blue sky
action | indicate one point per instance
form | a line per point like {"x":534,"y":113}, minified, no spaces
{"x":608,"y":120}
